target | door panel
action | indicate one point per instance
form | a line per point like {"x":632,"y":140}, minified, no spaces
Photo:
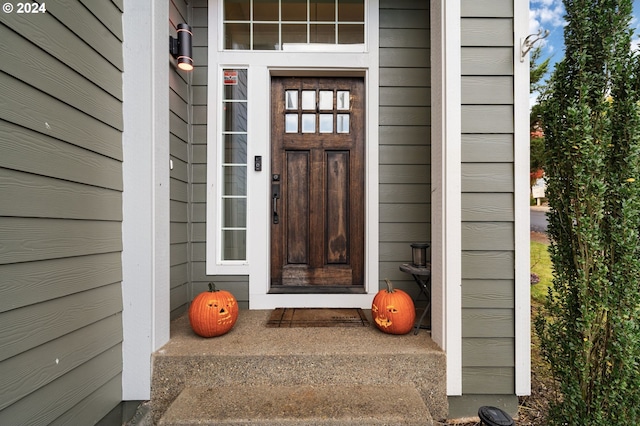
{"x":297,"y":222}
{"x":337,"y":207}
{"x":317,"y":166}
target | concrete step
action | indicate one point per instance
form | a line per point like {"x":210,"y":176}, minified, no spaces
{"x":259,"y":357}
{"x":298,"y":405}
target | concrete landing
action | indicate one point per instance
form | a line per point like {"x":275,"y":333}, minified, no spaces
{"x":311,"y":358}
{"x":299,"y":405}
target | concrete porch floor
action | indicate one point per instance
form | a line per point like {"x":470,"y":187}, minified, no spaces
{"x":254,"y":356}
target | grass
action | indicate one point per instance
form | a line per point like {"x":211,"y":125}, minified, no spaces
{"x":541,"y":266}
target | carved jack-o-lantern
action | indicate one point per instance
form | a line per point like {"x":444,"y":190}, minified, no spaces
{"x":213,"y":313}
{"x":393,"y":310}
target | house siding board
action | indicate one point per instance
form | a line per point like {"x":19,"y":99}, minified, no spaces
{"x":486,"y":32}
{"x":487,"y":8}
{"x":404,"y":77}
{"x":488,"y":256}
{"x":404,"y":213}
{"x":491,"y":380}
{"x":20,"y":376}
{"x":63,"y":396}
{"x":487,"y":60}
{"x":89,"y":29}
{"x":487,"y":148}
{"x":26,"y":106}
{"x":29,"y":283}
{"x":61,"y":213}
{"x":54,"y":38}
{"x":407,"y":174}
{"x":487,"y":206}
{"x":108,"y":14}
{"x":404,"y":135}
{"x":487,"y":90}
{"x":63,"y":200}
{"x":488,"y":293}
{"x":28,"y":151}
{"x":90,"y":410}
{"x":25,"y":62}
{"x":33,"y":239}
{"x":180,"y":120}
{"x":488,"y":352}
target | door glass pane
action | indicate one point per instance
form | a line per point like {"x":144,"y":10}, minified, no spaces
{"x":326,"y":100}
{"x":235,"y":149}
{"x":291,"y":123}
{"x":343,"y":100}
{"x":238,"y":90}
{"x":342,"y":125}
{"x":325,"y":33}
{"x":235,"y":180}
{"x":294,"y":10}
{"x":234,"y":116}
{"x":350,"y":11}
{"x":294,"y":33}
{"x":291,"y":99}
{"x":309,"y":99}
{"x":351,"y":34}
{"x":265,"y":37}
{"x":237,"y":36}
{"x":234,"y":245}
{"x":308,"y":123}
{"x":237,"y":10}
{"x":246,"y":23}
{"x":265,"y":10}
{"x":322,"y":10}
{"x":326,"y":123}
{"x":235,"y":213}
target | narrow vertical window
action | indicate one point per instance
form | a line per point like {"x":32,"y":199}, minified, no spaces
{"x":233,"y":176}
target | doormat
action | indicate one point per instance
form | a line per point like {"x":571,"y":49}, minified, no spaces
{"x":317,"y":317}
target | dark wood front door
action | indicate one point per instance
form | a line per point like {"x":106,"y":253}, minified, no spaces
{"x":317,"y":185}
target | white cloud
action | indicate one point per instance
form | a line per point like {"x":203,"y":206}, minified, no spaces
{"x":546,"y":13}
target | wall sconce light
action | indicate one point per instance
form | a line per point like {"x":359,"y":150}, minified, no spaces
{"x":180,"y":47}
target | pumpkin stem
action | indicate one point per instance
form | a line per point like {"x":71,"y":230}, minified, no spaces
{"x":212,"y":287}
{"x":389,"y":285}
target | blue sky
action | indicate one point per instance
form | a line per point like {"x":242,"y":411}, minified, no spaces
{"x":549,"y":15}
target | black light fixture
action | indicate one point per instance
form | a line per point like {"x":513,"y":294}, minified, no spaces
{"x":180,"y":47}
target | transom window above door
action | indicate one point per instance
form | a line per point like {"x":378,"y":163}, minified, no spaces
{"x":293,"y":25}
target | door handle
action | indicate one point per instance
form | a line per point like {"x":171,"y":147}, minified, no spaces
{"x":275,"y":194}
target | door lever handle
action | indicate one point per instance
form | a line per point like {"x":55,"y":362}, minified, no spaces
{"x":275,"y":194}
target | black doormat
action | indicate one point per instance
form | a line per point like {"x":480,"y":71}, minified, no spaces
{"x":317,"y":317}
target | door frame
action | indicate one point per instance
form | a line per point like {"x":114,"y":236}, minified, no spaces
{"x":262,"y":66}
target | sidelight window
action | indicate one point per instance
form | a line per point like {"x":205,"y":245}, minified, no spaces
{"x":233,"y":176}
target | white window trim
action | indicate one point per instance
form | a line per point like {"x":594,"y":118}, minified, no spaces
{"x":261,"y":66}
{"x":446,"y":197}
{"x":214,"y":156}
{"x":521,"y":208}
{"x":145,"y":200}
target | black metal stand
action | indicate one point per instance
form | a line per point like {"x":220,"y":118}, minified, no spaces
{"x":422,"y":277}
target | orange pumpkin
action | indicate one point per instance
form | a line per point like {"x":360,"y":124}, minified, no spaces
{"x":393,"y":310}
{"x":213,"y":313}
